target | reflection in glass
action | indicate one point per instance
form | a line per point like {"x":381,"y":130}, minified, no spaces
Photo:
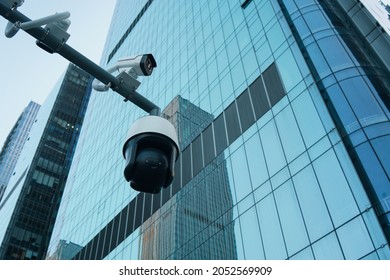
{"x":197,"y":222}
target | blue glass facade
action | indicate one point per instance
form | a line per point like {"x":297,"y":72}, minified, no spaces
{"x":274,"y":103}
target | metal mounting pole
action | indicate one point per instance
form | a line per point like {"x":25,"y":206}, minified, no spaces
{"x":55,"y":44}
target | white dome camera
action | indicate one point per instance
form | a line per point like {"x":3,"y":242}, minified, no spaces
{"x":150,"y":151}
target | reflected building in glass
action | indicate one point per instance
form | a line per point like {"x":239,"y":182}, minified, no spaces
{"x":30,"y":204}
{"x":282,"y":109}
{"x":14,"y":143}
{"x":175,"y":230}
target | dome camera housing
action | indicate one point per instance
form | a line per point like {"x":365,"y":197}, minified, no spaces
{"x":150,"y":151}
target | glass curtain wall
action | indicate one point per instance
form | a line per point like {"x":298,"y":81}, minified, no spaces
{"x":264,"y":172}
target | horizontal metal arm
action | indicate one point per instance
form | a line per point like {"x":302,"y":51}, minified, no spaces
{"x":52,"y":42}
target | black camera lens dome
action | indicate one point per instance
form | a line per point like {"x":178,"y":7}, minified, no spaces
{"x":150,"y":170}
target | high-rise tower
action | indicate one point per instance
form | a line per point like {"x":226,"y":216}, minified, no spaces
{"x":30,"y":204}
{"x":292,"y":159}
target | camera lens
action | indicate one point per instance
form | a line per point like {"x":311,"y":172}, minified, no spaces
{"x":147,"y":64}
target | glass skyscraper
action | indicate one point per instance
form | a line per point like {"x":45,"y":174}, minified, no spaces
{"x":30,"y":204}
{"x":282,"y":111}
{"x":14,"y":143}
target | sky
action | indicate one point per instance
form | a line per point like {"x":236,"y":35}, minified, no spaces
{"x":28,"y":72}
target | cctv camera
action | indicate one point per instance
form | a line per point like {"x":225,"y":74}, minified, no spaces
{"x":140,"y":65}
{"x":133,"y":66}
{"x":150,"y":151}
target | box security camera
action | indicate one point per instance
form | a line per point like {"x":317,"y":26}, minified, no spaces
{"x":132,"y":66}
{"x":140,"y":65}
{"x":150,"y":151}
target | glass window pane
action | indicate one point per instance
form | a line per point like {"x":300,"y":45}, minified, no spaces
{"x":256,"y":162}
{"x":139,"y":210}
{"x":273,"y":84}
{"x":335,"y":53}
{"x":270,"y":229}
{"x":289,"y":134}
{"x":354,"y":239}
{"x":222,"y":60}
{"x":253,"y":247}
{"x":147,"y":207}
{"x":241,"y":175}
{"x":232,"y":123}
{"x":313,"y":207}
{"x":275,"y":36}
{"x":232,"y":49}
{"x":318,"y":60}
{"x":289,"y":71}
{"x":343,"y":108}
{"x":250,"y":64}
{"x":338,"y":196}
{"x":186,"y":166}
{"x":362,"y":101}
{"x":352,"y":177}
{"x":306,"y":254}
{"x":272,"y":148}
{"x":384,"y":253}
{"x":374,"y":228}
{"x":220,"y":134}
{"x":316,"y":21}
{"x":381,"y":146}
{"x":374,"y":171}
{"x":176,"y":184}
{"x":238,"y":77}
{"x":266,"y":13}
{"x":197,"y":153}
{"x":259,"y":97}
{"x":301,"y":27}
{"x":226,"y":86}
{"x":212,"y":71}
{"x":247,"y":117}
{"x":262,"y":191}
{"x":328,"y":248}
{"x":291,"y":218}
{"x":308,"y":120}
{"x":208,"y":145}
{"x":238,"y":243}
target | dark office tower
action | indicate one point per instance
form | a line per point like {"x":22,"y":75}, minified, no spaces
{"x":14,"y":143}
{"x":289,"y":159}
{"x":30,"y":204}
